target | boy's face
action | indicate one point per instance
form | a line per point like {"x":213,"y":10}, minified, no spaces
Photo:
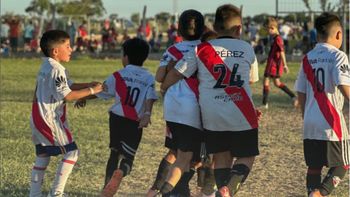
{"x":62,"y":52}
{"x":271,"y":29}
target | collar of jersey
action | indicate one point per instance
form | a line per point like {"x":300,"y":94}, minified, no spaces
{"x":53,"y":62}
{"x":135,"y":67}
{"x":323,"y":44}
{"x":223,"y":37}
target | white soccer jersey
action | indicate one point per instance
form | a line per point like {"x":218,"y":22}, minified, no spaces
{"x":180,"y":101}
{"x":131,"y":87}
{"x":48,"y":118}
{"x":224,"y":71}
{"x":322,"y":70}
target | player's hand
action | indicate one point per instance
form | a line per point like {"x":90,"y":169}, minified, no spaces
{"x":286,"y":69}
{"x":81,"y":103}
{"x":97,"y":88}
{"x":258,"y":114}
{"x":144,"y":121}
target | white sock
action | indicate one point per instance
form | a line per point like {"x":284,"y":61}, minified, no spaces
{"x":63,"y":171}
{"x":38,"y":173}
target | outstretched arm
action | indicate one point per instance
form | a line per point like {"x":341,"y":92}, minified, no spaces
{"x":163,"y":71}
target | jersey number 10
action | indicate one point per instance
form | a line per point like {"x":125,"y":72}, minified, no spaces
{"x":132,"y":96}
{"x":319,"y":79}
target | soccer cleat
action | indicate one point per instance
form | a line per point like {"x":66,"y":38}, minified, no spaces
{"x":112,"y":187}
{"x":56,"y":194}
{"x":223,"y":192}
{"x":266,"y":106}
{"x":295,"y":102}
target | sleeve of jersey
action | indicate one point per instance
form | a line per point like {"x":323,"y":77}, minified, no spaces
{"x":188,"y":64}
{"x":151,"y":91}
{"x":254,"y":71}
{"x":166,"y":58}
{"x":59,"y":84}
{"x":300,"y":83}
{"x":341,"y":72}
{"x":109,"y":91}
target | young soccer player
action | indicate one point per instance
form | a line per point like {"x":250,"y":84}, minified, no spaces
{"x":276,"y":63}
{"x":181,"y":112}
{"x":225,"y":67}
{"x":322,"y":84}
{"x":51,"y":134}
{"x":133,"y":90}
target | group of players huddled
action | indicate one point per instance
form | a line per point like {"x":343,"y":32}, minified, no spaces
{"x":211,"y":120}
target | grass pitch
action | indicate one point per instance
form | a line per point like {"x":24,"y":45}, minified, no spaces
{"x":279,"y":170}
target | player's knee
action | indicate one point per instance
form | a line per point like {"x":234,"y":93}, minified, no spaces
{"x":171,"y":156}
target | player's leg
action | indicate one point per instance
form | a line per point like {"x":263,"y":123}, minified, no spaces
{"x":126,"y":143}
{"x":42,"y":160}
{"x":208,"y":180}
{"x":188,"y":141}
{"x":63,"y":171}
{"x":266,"y":90}
{"x":285,"y":89}
{"x":244,"y":147}
{"x":338,"y":161}
{"x":162,"y":172}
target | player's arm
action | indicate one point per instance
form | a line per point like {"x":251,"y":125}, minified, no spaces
{"x":302,"y":100}
{"x":283,"y":56}
{"x":171,"y":78}
{"x":79,"y":94}
{"x":146,"y":117}
{"x":345,"y":90}
{"x":163,"y":70}
{"x":78,"y":86}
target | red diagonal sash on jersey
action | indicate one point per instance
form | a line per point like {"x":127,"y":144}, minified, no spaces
{"x":191,"y":82}
{"x":175,"y":52}
{"x":121,"y":89}
{"x":40,"y":124}
{"x":208,"y":56}
{"x":326,"y":107}
{"x":63,"y":120}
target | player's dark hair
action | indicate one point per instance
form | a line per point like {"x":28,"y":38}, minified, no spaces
{"x":209,"y":35}
{"x":191,"y":24}
{"x":137,"y":51}
{"x":52,"y":38}
{"x":225,"y":17}
{"x":325,"y":22}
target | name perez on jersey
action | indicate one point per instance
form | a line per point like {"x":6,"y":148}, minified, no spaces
{"x":228,"y":53}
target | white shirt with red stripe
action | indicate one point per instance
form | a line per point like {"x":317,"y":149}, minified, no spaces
{"x":180,"y":101}
{"x":131,"y":87}
{"x":48,"y":118}
{"x":225,"y":67}
{"x":322,"y":70}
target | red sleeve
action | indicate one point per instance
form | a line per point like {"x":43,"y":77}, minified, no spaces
{"x":279,"y":43}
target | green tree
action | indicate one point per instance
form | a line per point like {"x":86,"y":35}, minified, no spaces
{"x":135,"y":18}
{"x":87,"y":8}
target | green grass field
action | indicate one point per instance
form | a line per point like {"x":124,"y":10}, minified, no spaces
{"x":279,"y":170}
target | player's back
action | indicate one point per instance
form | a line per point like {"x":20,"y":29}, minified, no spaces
{"x":131,"y":87}
{"x":180,"y":101}
{"x":224,"y":66}
{"x":323,"y":69}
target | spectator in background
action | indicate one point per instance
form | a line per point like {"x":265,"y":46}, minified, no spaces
{"x":105,"y":34}
{"x":72,"y":31}
{"x":145,"y":32}
{"x":4,"y":31}
{"x":14,"y":25}
{"x":313,"y":37}
{"x":28,"y":35}
{"x":285,"y":30}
